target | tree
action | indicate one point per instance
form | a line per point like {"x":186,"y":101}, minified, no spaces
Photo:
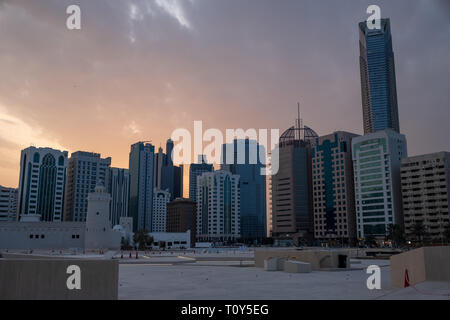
{"x":447,"y":232}
{"x":419,"y":231}
{"x":125,"y":244}
{"x":150,"y":241}
{"x":142,"y":239}
{"x":396,"y":235}
{"x":369,"y":240}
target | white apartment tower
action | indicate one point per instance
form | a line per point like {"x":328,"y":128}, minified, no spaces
{"x":376,"y":161}
{"x":41,"y":185}
{"x":333,"y":188}
{"x":85,"y":170}
{"x":218,"y":206}
{"x":425,"y":190}
{"x":8,"y":204}
{"x":160,"y":200}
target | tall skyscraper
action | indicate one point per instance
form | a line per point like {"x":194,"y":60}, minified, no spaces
{"x":140,"y":206}
{"x":8,"y":204}
{"x":292,"y":202}
{"x":333,"y":187}
{"x":218,"y":207}
{"x":160,"y":158}
{"x":42,"y":183}
{"x":119,"y":188}
{"x":196,"y":170}
{"x":376,"y":162}
{"x":378,"y":80}
{"x":160,"y":200}
{"x":167,"y":170}
{"x":85,"y":170}
{"x":269,"y":203}
{"x":426,"y":193}
{"x":252,"y":185}
{"x":177,"y":182}
{"x":167,"y":175}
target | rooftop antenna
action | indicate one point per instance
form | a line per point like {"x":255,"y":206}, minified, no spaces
{"x":298,"y":125}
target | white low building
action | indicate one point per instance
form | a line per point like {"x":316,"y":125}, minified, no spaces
{"x":95,"y":233}
{"x":170,"y":240}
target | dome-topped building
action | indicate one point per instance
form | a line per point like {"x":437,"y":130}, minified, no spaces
{"x":292,"y":184}
{"x":295,"y":133}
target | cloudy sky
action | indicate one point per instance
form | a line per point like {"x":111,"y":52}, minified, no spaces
{"x":139,"y":69}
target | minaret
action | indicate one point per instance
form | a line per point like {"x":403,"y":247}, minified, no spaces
{"x":98,"y":233}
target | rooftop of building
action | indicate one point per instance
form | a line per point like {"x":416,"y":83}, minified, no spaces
{"x":182,"y":200}
{"x":434,"y":155}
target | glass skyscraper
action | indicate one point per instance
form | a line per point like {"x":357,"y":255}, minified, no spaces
{"x":252,"y":186}
{"x":140,"y":205}
{"x":376,"y":163}
{"x":196,"y":170}
{"x":119,"y":189}
{"x":167,"y":175}
{"x":378,"y":80}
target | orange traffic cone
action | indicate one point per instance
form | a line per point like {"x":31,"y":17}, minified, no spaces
{"x":406,"y":279}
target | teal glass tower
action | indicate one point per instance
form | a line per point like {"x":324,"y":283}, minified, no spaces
{"x":378,"y":80}
{"x":252,"y":186}
{"x":140,"y":205}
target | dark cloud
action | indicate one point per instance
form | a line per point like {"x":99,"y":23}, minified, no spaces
{"x":137,"y":70}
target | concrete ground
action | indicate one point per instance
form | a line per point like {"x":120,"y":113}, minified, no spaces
{"x":228,"y":281}
{"x":213,"y":274}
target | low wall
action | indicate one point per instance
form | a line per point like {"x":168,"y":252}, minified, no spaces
{"x":319,"y":259}
{"x":423,"y":264}
{"x":25,"y":279}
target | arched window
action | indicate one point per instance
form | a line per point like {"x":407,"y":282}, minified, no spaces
{"x":47,"y":186}
{"x":48,"y":160}
{"x":61,"y":161}
{"x":36,"y":157}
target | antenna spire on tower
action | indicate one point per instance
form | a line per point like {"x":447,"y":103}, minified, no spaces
{"x":299,"y":132}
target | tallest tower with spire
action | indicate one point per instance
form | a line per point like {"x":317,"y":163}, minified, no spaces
{"x":378,"y":80}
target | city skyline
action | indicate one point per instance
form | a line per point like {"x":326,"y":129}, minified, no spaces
{"x":255,"y":64}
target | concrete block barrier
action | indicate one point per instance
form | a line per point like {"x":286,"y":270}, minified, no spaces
{"x":271,"y":264}
{"x":318,"y":258}
{"x":274,"y":264}
{"x":419,"y":265}
{"x":291,"y":266}
{"x":24,"y":279}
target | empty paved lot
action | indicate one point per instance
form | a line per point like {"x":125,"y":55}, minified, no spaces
{"x":197,"y":282}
